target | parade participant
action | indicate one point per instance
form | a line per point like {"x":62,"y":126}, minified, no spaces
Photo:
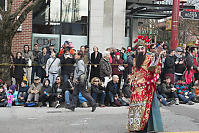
{"x":144,"y":113}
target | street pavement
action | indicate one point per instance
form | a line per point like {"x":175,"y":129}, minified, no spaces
{"x":177,"y":118}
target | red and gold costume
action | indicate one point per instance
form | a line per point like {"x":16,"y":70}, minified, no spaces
{"x":143,"y":82}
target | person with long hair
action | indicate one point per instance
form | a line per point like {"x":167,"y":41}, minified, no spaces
{"x":59,"y":89}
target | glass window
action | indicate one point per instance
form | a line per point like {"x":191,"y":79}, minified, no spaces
{"x":74,"y":10}
{"x":2,"y":4}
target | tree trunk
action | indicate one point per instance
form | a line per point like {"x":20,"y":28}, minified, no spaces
{"x":5,"y":52}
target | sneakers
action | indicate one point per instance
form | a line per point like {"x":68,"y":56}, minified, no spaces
{"x":93,"y":108}
{"x":57,"y":105}
{"x":190,"y":103}
{"x":177,"y":101}
{"x":72,"y":108}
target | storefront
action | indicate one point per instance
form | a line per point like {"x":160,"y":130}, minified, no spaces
{"x":56,"y":21}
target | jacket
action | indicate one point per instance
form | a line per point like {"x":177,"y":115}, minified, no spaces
{"x":55,"y":67}
{"x":189,"y":61}
{"x":3,"y":96}
{"x":55,"y":87}
{"x":105,"y":68}
{"x":169,"y":64}
{"x":112,"y":89}
{"x":46,"y":89}
{"x":69,"y":85}
{"x":167,"y":88}
{"x":80,"y":69}
{"x":115,"y":65}
{"x":35,"y":87}
{"x":97,"y":89}
{"x":43,"y":59}
{"x":23,"y":89}
{"x":27,"y":55}
{"x":67,"y":65}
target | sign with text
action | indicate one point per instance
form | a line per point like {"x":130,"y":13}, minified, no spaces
{"x":190,"y":14}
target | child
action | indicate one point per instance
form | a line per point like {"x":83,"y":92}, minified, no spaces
{"x":10,"y":95}
{"x":23,"y":92}
{"x":3,"y":97}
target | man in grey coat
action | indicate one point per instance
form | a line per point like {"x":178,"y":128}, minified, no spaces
{"x":80,"y":80}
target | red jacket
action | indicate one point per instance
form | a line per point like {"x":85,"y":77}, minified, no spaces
{"x":189,"y":77}
{"x":115,"y":65}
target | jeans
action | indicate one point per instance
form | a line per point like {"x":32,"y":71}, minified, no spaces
{"x":65,"y":77}
{"x":35,"y":72}
{"x":184,"y":99}
{"x":111,"y":96}
{"x":102,"y":97}
{"x":52,"y":77}
{"x":81,"y":87}
{"x":68,"y":97}
{"x":163,"y":101}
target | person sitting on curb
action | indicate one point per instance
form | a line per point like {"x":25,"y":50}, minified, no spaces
{"x":34,"y":90}
{"x":169,"y":90}
{"x":184,"y":93}
{"x":46,"y":96}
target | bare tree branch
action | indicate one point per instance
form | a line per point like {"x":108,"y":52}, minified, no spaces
{"x":9,"y":6}
{"x":20,"y":8}
{"x":23,"y":16}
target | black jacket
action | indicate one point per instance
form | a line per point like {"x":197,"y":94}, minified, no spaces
{"x":111,"y":88}
{"x":166,"y":89}
{"x":189,"y":61}
{"x":3,"y":96}
{"x":179,"y":68}
{"x":67,"y":65}
{"x":46,"y":89}
{"x":95,"y":71}
{"x":55,"y":86}
{"x":97,"y":89}
{"x":23,"y":89}
{"x":169,"y":65}
{"x":69,"y":85}
{"x":19,"y":65}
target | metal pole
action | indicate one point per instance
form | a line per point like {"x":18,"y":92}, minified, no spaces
{"x":60,"y":30}
{"x":175,"y":22}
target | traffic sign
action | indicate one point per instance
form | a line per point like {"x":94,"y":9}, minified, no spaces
{"x":190,"y":14}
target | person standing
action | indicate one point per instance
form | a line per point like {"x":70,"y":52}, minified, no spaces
{"x":105,"y":68}
{"x":35,"y":63}
{"x":28,"y":56}
{"x":52,"y":68}
{"x":144,"y":113}
{"x":43,"y":57}
{"x":19,"y":64}
{"x":95,"y":60}
{"x":80,"y":77}
{"x":67,"y":62}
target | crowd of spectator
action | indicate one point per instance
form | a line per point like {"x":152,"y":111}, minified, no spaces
{"x":46,"y":78}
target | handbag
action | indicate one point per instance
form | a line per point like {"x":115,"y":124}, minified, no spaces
{"x":120,"y":68}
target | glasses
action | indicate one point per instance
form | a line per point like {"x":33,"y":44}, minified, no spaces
{"x":96,"y":81}
{"x":57,"y":79}
{"x":142,"y":48}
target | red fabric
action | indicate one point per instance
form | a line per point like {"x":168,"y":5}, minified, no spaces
{"x":189,"y":77}
{"x":115,"y":65}
{"x":195,"y":61}
{"x":111,"y":59}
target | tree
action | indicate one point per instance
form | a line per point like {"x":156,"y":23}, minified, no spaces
{"x":10,"y":21}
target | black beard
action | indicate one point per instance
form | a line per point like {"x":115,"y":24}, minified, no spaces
{"x":140,"y":57}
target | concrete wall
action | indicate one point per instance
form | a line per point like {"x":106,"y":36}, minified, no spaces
{"x":107,"y":24}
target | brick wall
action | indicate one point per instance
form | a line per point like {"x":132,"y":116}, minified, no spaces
{"x":24,"y":37}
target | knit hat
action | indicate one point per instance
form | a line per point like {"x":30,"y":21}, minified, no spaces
{"x":13,"y":87}
{"x":179,"y":49}
{"x":117,"y":53}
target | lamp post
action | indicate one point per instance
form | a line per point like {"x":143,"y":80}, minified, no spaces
{"x":175,"y":22}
